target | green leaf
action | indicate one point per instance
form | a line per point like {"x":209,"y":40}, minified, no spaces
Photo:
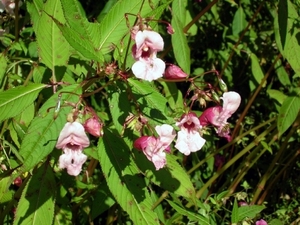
{"x":179,"y":9}
{"x":282,"y":75}
{"x":3,"y":65}
{"x":14,"y":101}
{"x":173,"y":95}
{"x":44,"y":130}
{"x":181,"y":50}
{"x":191,"y":215}
{"x":288,"y":112}
{"x":119,"y":104}
{"x":5,"y":195}
{"x":36,"y":205}
{"x":53,"y":48}
{"x":277,"y":95}
{"x":249,"y":211}
{"x":256,"y":70}
{"x":123,"y":179}
{"x":113,"y":27}
{"x":239,"y":22}
{"x":287,"y":34}
{"x":275,"y":222}
{"x":235,"y":212}
{"x":172,"y":178}
{"x":151,"y":102}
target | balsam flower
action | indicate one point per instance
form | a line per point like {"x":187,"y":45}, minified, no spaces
{"x":72,"y":140}
{"x":93,"y":126}
{"x":218,"y":116}
{"x":148,"y":66}
{"x":154,"y":147}
{"x":188,"y":138}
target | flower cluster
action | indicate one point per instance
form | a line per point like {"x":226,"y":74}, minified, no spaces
{"x":189,"y":136}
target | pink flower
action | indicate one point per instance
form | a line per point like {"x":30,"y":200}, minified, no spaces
{"x":72,"y":140}
{"x":72,"y":161}
{"x":72,"y":136}
{"x":148,"y":66}
{"x":154,"y":148}
{"x":261,"y":222}
{"x":93,"y":127}
{"x":218,"y":116}
{"x":189,"y":139}
{"x":174,"y":72}
{"x":149,"y":69}
{"x":147,"y":44}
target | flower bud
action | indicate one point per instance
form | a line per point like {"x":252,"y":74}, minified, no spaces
{"x":93,"y":127}
{"x":222,"y":85}
{"x":174,"y":72}
{"x":170,"y":29}
{"x":18,"y":181}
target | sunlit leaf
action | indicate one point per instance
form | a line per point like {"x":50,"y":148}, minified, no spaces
{"x":36,"y":205}
{"x":239,"y":22}
{"x":123,"y":179}
{"x":288,"y":112}
{"x":14,"y":101}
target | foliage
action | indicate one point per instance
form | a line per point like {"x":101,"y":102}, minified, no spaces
{"x":70,"y":60}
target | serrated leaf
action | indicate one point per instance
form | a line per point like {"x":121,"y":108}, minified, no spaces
{"x":119,"y":104}
{"x":44,"y":130}
{"x":235,"y":212}
{"x":14,"y":101}
{"x":151,"y":102}
{"x":113,"y":26}
{"x":181,"y":48}
{"x":239,"y":22}
{"x":36,"y":205}
{"x":191,"y":215}
{"x":288,"y":113}
{"x":123,"y":180}
{"x":287,"y":34}
{"x":53,"y":48}
{"x":249,"y":211}
{"x":173,"y":95}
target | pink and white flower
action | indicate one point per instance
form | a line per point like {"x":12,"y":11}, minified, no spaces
{"x":72,"y":140}
{"x":189,"y":139}
{"x":218,"y":116}
{"x":154,"y":147}
{"x":147,"y":66}
{"x":93,"y":126}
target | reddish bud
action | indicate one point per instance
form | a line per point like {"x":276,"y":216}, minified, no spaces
{"x":174,"y":72}
{"x":170,"y":29}
{"x":93,"y":127}
{"x":18,"y":181}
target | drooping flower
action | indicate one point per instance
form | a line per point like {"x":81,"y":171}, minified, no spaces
{"x":189,"y":139}
{"x":72,"y":136}
{"x":154,"y":147}
{"x":149,"y":69}
{"x":72,"y":160}
{"x":148,"y":66}
{"x":93,"y":126}
{"x":261,"y":222}
{"x":218,"y":116}
{"x":72,"y":140}
{"x":174,"y":72}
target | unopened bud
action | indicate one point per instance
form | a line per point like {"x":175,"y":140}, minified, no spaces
{"x":215,"y":96}
{"x":93,"y":126}
{"x":174,"y":72}
{"x":18,"y":181}
{"x":222,"y":85}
